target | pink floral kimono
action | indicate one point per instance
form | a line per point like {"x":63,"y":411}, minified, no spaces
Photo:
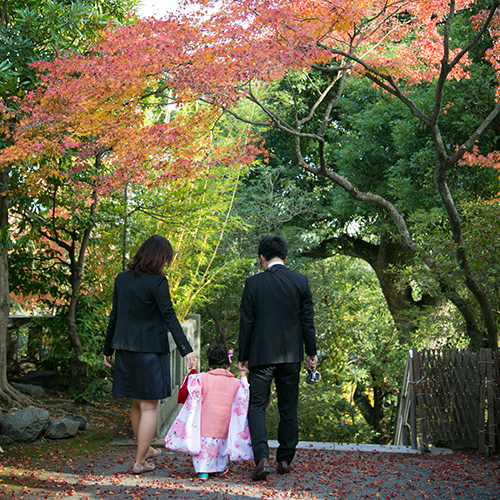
{"x":210,"y":454}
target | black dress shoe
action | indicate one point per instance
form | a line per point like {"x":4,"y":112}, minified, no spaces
{"x":262,"y":470}
{"x":284,"y":467}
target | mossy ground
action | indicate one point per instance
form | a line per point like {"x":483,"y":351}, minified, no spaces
{"x":22,"y":464}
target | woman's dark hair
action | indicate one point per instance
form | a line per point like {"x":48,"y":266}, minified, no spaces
{"x":153,"y":255}
{"x":217,"y":356}
{"x":273,"y":246}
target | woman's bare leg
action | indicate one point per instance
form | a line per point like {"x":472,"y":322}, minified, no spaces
{"x":143,"y":417}
{"x":135,"y":416}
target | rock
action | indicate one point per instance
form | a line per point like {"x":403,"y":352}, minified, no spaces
{"x":81,"y":419}
{"x":5,"y":440}
{"x":26,"y":425}
{"x":61,"y":428}
{"x":43,"y":378}
{"x":35,"y":391}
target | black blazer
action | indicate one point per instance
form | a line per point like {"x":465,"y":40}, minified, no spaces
{"x":276,"y":322}
{"x":142,"y":315}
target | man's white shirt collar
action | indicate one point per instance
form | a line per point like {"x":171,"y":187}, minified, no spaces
{"x":275,"y":263}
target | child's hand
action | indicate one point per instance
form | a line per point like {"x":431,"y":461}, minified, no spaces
{"x":192,"y":360}
{"x":243,"y":367}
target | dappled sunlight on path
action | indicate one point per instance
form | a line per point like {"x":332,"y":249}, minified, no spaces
{"x":317,"y":475}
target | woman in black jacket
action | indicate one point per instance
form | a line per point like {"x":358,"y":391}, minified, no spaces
{"x":137,"y":334}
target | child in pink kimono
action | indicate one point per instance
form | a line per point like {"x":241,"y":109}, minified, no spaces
{"x":212,"y":424}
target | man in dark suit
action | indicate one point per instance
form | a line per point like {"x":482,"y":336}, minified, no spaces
{"x":276,"y":323}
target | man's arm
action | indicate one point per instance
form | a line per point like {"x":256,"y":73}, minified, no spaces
{"x":247,"y":320}
{"x":307,"y":322}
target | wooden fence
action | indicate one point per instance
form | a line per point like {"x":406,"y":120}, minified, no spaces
{"x":450,"y":398}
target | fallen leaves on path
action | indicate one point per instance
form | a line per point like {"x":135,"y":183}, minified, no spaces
{"x":87,"y":467}
{"x":317,"y":475}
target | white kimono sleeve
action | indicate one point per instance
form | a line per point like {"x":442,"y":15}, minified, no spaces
{"x":239,"y":444}
{"x":184,"y":434}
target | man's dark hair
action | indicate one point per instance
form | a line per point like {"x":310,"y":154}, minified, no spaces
{"x":273,"y":246}
{"x":153,"y":255}
{"x":217,"y":356}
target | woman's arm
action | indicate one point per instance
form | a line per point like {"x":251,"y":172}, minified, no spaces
{"x":164,"y":302}
{"x":110,"y":332}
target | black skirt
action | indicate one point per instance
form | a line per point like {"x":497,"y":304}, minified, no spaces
{"x":141,"y":375}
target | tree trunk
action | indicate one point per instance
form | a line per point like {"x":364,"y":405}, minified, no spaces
{"x":222,"y":329}
{"x":463,"y":260}
{"x":399,"y":302}
{"x":76,"y":277}
{"x":4,"y":16}
{"x":7,"y":392}
{"x":374,"y":413}
{"x":126,"y":231}
{"x":74,"y":338}
{"x":380,"y":257}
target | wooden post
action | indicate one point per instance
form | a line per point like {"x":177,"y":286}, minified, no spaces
{"x":482,"y":398}
{"x":490,"y":398}
{"x":400,"y":427}
{"x":413,"y":404}
{"x":420,"y":399}
{"x":496,"y":395}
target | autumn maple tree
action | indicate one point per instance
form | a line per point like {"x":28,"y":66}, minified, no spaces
{"x":30,"y":31}
{"x":293,"y":60}
{"x":104,"y":120}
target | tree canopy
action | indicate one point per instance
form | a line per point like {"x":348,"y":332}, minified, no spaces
{"x":400,"y":48}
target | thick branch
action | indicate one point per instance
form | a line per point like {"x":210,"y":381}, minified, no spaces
{"x":445,"y":69}
{"x":279,"y":122}
{"x":55,"y":239}
{"x":368,"y":197}
{"x":5,"y":15}
{"x":156,"y":92}
{"x":379,"y":78}
{"x":331,"y":69}
{"x":400,"y":223}
{"x":243,"y":119}
{"x":333,"y":101}
{"x":452,"y":160}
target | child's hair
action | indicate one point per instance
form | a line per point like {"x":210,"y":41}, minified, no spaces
{"x":217,"y":355}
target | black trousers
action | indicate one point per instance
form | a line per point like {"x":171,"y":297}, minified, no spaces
{"x":286,"y":379}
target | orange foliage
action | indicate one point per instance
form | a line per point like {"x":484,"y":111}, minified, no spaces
{"x":90,"y":105}
{"x":475,"y":158}
{"x":262,"y":39}
{"x":94,"y":104}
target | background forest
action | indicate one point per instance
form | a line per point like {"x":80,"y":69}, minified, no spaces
{"x":367,"y":137}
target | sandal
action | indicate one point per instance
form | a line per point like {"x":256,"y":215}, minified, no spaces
{"x":140,"y":468}
{"x":155,"y":454}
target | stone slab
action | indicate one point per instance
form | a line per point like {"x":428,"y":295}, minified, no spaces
{"x":314,"y":445}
